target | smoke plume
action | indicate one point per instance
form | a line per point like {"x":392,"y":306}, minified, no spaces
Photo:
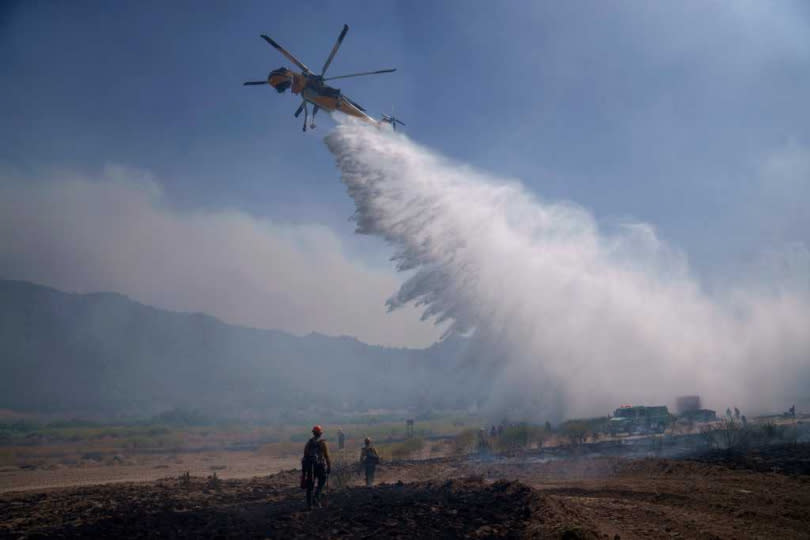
{"x":119,"y":233}
{"x":567,"y":318}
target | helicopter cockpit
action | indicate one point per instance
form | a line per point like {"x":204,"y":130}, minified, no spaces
{"x":280,"y":79}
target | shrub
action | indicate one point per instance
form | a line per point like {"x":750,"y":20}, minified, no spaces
{"x":575,"y":431}
{"x":771,"y":433}
{"x":730,"y":434}
{"x":343,"y":471}
{"x":519,"y":437}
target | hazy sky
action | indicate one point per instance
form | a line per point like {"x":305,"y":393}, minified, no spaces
{"x":690,"y":116}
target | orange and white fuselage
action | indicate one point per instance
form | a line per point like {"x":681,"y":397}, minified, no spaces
{"x":317,"y":93}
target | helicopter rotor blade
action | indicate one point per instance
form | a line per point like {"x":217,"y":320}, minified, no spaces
{"x":283,"y":51}
{"x":360,"y":74}
{"x":251,"y":83}
{"x":335,"y":48}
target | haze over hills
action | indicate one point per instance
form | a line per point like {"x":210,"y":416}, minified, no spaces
{"x":105,"y":354}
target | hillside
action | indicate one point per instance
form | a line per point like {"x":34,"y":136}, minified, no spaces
{"x":106,"y":354}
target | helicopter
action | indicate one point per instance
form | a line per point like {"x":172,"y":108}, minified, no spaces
{"x":312,"y":87}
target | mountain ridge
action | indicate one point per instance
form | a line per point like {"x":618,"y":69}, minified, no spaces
{"x":106,"y":353}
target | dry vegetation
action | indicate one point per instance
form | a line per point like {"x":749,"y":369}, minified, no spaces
{"x":36,"y":455}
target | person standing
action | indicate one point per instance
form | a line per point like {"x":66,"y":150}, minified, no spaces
{"x":341,"y":438}
{"x":483,"y":443}
{"x":369,"y":459}
{"x":315,"y":466}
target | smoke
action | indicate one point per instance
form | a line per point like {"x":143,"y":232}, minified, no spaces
{"x":118,"y":233}
{"x":567,"y":318}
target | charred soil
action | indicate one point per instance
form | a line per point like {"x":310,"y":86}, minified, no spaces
{"x":446,"y":498}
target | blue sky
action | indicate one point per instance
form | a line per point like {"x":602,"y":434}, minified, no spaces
{"x":690,"y":116}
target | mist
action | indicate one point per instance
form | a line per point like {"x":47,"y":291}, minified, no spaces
{"x":569,"y":317}
{"x":118,"y":232}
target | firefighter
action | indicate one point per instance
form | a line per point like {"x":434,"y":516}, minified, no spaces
{"x":341,"y":439}
{"x":315,"y":466}
{"x":483,"y":443}
{"x":369,"y":459}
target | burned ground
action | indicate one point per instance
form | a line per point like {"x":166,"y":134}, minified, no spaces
{"x":272,"y":508}
{"x":449,"y":498}
{"x":792,"y":459}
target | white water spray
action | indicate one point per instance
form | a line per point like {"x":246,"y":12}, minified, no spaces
{"x":568,"y":320}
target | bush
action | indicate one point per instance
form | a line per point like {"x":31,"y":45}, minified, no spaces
{"x":519,"y":437}
{"x":733,"y":434}
{"x":771,"y":433}
{"x":344,"y":471}
{"x":576,"y":431}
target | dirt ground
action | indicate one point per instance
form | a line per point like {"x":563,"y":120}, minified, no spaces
{"x":756,"y":495}
{"x":142,"y":468}
{"x":48,"y":466}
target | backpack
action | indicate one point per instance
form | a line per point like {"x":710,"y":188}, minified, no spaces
{"x":372,"y":458}
{"x":313,"y":453}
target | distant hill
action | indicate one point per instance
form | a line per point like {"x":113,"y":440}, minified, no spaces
{"x":106,"y":354}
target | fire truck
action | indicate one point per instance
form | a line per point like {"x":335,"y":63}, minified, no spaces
{"x":639,"y":419}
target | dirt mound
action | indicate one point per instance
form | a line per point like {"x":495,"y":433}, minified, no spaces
{"x":272,"y":508}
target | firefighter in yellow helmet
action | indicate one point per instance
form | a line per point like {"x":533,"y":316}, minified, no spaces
{"x":315,"y":466}
{"x":369,"y":458}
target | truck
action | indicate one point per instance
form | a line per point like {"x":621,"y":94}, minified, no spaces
{"x":639,"y":419}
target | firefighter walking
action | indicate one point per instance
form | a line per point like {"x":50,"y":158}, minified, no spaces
{"x":315,"y":466}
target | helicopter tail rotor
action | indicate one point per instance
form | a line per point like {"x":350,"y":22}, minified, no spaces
{"x":392,"y":120}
